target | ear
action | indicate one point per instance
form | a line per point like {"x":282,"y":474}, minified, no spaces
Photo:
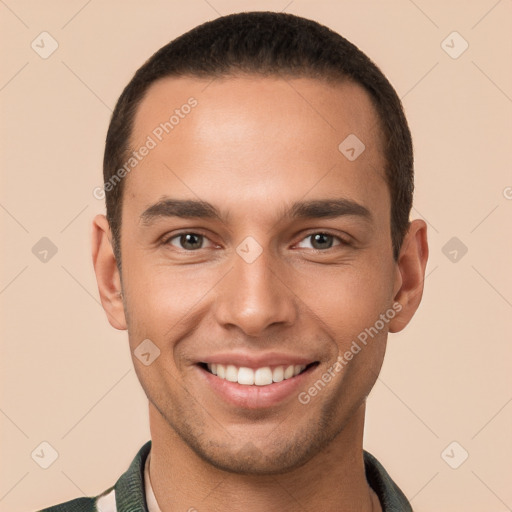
{"x":107,"y":273}
{"x":410,"y":277}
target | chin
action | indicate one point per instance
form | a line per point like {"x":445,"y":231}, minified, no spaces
{"x":250,"y":460}
{"x":272,"y":455}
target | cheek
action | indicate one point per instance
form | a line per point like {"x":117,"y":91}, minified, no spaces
{"x":347,"y":299}
{"x":162,"y":303}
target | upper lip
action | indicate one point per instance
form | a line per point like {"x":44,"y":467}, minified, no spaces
{"x":257,"y":360}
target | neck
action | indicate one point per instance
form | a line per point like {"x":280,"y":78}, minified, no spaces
{"x":332,"y":481}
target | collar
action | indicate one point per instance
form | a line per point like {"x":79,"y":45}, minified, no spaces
{"x":151,"y":502}
{"x":134,"y":487}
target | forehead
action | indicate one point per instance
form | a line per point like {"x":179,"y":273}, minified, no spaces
{"x":232,"y":135}
{"x":339,"y":106}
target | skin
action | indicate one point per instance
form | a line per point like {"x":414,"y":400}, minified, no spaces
{"x":252,"y":147}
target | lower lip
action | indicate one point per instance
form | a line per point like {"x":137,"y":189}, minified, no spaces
{"x":255,"y":397}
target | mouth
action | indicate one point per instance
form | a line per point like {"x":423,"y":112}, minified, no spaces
{"x":262,"y":381}
{"x":262,"y":376}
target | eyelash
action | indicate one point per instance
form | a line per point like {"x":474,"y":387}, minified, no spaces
{"x":342,"y":242}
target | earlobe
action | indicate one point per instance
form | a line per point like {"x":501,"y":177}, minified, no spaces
{"x":411,"y":265}
{"x":107,"y":273}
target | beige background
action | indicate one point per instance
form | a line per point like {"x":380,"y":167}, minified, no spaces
{"x":67,"y":376}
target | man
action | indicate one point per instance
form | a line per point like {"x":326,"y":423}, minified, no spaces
{"x":257,"y":248}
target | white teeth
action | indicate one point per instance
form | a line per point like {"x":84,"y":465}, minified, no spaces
{"x":263,"y":376}
{"x":221,"y":371}
{"x":289,"y":372}
{"x":231,"y":373}
{"x":259,"y":377}
{"x":278,"y":374}
{"x":246,"y":376}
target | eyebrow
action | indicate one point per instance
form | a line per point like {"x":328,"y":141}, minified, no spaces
{"x":328,"y":208}
{"x":196,"y":209}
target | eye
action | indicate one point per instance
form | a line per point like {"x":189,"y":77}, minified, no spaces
{"x":322,"y":241}
{"x":188,"y":241}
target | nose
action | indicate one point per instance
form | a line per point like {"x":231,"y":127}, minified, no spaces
{"x":254,"y":296}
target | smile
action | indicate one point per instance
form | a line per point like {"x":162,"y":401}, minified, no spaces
{"x":250,"y":382}
{"x":263,"y":376}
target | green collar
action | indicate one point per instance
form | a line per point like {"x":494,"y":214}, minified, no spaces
{"x":130,"y":492}
{"x":131,"y":496}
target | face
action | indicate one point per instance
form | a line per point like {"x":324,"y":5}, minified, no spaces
{"x":254,"y":255}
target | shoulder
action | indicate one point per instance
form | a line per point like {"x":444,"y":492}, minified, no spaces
{"x":105,"y":502}
{"x":76,"y":505}
{"x":121,"y":496}
{"x":391,"y":497}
